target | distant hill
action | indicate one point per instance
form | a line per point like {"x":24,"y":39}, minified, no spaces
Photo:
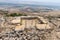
{"x":31,"y":5}
{"x":35,"y":7}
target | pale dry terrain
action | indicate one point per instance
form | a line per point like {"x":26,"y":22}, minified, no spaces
{"x":7,"y":31}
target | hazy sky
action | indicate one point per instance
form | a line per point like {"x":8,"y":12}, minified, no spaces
{"x":54,"y":1}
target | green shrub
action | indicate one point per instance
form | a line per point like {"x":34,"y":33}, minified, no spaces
{"x":15,"y":14}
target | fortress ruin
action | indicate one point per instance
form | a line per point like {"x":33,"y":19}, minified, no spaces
{"x":30,"y":22}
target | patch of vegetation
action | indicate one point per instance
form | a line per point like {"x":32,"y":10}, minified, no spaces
{"x":15,"y":14}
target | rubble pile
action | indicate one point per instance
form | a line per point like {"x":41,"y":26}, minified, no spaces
{"x":26,"y":34}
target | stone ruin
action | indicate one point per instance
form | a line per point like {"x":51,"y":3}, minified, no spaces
{"x":22,"y":22}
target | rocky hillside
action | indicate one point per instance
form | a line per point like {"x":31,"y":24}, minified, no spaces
{"x":7,"y":31}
